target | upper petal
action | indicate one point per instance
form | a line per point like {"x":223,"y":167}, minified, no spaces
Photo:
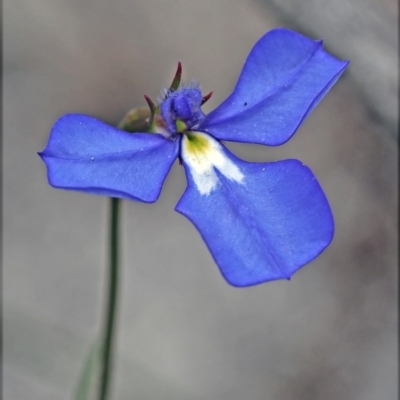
{"x":260,"y":221}
{"x":285,"y":76}
{"x":88,"y":155}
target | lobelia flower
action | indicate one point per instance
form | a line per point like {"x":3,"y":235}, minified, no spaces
{"x":260,"y":221}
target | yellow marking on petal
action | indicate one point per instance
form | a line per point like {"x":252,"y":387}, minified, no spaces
{"x":196,"y":143}
{"x":203,"y":154}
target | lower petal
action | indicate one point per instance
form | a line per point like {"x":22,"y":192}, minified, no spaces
{"x":264,"y":226}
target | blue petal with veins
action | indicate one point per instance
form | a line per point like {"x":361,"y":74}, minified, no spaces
{"x":285,"y":76}
{"x":262,"y":226}
{"x":88,"y":155}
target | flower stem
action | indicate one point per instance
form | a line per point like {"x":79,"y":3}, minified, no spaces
{"x":112,"y":301}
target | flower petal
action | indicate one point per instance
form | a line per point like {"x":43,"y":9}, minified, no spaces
{"x":284,"y":78}
{"x":88,"y":155}
{"x":261,"y":222}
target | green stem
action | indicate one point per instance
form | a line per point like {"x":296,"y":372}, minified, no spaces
{"x":112,"y":302}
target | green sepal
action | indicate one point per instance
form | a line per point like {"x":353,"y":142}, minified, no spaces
{"x":137,"y":120}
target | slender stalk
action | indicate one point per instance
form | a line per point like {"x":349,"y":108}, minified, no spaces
{"x":111,"y":303}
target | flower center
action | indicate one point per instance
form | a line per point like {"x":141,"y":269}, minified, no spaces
{"x":181,"y":108}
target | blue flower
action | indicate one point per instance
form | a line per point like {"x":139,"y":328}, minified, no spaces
{"x":260,"y":221}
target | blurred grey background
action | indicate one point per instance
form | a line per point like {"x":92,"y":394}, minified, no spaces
{"x":183,"y":333}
